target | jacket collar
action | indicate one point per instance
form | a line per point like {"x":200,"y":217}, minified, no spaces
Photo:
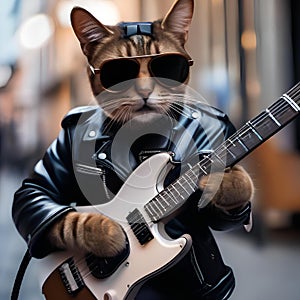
{"x":97,"y":126}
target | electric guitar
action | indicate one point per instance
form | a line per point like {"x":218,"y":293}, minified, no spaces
{"x":142,"y":205}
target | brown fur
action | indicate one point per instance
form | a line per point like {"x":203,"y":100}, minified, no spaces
{"x":100,"y":42}
{"x":228,"y":190}
{"x":89,"y":232}
{"x":97,"y":233}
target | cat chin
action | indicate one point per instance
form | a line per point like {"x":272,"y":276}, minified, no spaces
{"x":141,"y":116}
{"x":146,"y":116}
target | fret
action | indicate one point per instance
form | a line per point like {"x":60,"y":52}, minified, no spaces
{"x":249,"y":137}
{"x":284,"y":110}
{"x":159,"y":197}
{"x":291,"y":102}
{"x":225,"y":154}
{"x":254,"y":131}
{"x":192,"y":175}
{"x":236,"y":148}
{"x":157,"y":206}
{"x":183,"y":187}
{"x":179,"y":194}
{"x":221,"y":162}
{"x":170,"y":199}
{"x":151,"y":211}
{"x":252,"y":134}
{"x":192,"y":170}
{"x":151,"y":206}
{"x":203,"y":171}
{"x":208,"y":157}
{"x":242,"y":144}
{"x":171,"y":195}
{"x":279,"y":113}
{"x":263,"y":125}
{"x":179,"y":189}
{"x":231,"y":153}
{"x":148,"y":211}
{"x":188,"y":183}
{"x":273,"y":118}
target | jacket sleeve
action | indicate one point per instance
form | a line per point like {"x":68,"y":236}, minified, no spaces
{"x":46,"y":195}
{"x":219,"y":219}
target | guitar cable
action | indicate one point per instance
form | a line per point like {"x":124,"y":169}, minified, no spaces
{"x":20,"y":275}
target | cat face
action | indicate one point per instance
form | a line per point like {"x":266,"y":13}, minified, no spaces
{"x":138,"y":63}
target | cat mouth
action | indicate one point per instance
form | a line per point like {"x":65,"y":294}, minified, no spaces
{"x":145,"y":108}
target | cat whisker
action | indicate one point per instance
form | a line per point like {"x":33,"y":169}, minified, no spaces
{"x":179,"y":108}
{"x":169,"y":112}
{"x":186,"y":98}
{"x":183,"y":105}
{"x":108,"y":126}
{"x":110,"y":104}
{"x":123,"y":115}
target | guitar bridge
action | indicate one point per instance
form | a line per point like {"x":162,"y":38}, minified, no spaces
{"x":71,"y":277}
{"x":139,"y":227}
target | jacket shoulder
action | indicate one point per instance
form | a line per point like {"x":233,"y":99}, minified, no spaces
{"x":73,"y":116}
{"x":209,"y":113}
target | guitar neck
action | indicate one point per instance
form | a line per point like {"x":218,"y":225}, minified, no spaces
{"x":231,"y":151}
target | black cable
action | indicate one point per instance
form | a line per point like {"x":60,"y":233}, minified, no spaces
{"x":20,"y":275}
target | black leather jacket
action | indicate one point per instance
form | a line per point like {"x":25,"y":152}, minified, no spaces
{"x":85,"y":166}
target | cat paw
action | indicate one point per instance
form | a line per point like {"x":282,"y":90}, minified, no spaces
{"x":228,"y":190}
{"x":103,"y":236}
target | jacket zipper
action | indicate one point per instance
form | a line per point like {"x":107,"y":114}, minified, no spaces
{"x":86,"y":169}
{"x":103,"y":177}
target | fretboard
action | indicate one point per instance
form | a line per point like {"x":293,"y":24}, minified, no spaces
{"x":231,"y":151}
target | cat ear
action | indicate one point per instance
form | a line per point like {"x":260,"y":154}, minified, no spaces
{"x":178,"y":19}
{"x":86,"y":27}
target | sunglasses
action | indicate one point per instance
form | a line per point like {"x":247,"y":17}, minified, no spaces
{"x":169,"y":69}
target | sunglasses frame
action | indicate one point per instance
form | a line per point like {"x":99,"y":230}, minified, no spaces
{"x":98,"y":70}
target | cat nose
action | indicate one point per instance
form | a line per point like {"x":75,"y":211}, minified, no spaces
{"x":144,"y":82}
{"x":144,"y":87}
{"x":145,"y":94}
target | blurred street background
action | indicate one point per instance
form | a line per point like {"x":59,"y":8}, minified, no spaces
{"x":246,"y":53}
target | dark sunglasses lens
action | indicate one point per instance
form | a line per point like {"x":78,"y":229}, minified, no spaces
{"x":172,"y":67}
{"x":114,"y":74}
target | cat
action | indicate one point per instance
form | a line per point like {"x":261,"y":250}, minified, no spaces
{"x":145,"y":98}
{"x":100,"y":43}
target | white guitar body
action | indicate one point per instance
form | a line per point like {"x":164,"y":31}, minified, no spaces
{"x":144,"y":261}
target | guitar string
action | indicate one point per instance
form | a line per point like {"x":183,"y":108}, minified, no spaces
{"x":86,"y":269}
{"x":295,"y":89}
{"x":87,"y":266}
{"x":168,"y":195}
{"x":294,"y":93}
{"x":282,"y":108}
{"x":278,"y":108}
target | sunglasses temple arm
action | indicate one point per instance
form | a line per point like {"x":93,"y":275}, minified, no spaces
{"x":94,"y":71}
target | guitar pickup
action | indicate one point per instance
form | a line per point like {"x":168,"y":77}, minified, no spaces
{"x":139,"y":227}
